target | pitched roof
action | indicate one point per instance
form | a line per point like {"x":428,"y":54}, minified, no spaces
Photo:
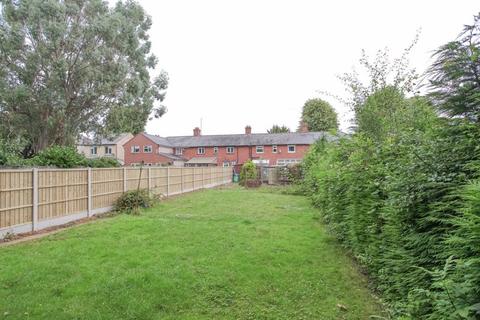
{"x":158,"y":140}
{"x":171,"y":156}
{"x":86,"y":141}
{"x":248,"y":139}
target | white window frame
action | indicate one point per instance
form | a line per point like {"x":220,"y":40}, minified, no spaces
{"x":230,"y":148}
{"x":179,"y":151}
{"x":108,"y":150}
{"x":135,"y":149}
{"x":93,"y":150}
{"x":201,"y":150}
{"x":215,"y":150}
{"x":284,"y":162}
{"x":262,"y":148}
{"x":294,"y":148}
{"x":147,"y":149}
{"x":274,"y":148}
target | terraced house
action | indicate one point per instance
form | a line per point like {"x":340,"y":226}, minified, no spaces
{"x":220,"y":150}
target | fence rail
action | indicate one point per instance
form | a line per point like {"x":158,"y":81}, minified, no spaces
{"x":38,"y":198}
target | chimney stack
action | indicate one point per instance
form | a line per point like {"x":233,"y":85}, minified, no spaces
{"x":248,"y":130}
{"x":303,"y":128}
{"x":197,"y":132}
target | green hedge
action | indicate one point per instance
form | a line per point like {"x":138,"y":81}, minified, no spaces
{"x":408,"y":207}
{"x":55,"y":156}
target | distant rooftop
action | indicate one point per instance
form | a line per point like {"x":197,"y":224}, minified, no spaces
{"x":86,"y":141}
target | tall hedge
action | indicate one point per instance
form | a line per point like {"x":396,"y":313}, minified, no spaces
{"x":408,"y":207}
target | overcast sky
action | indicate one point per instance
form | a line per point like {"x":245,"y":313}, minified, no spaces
{"x":233,"y":63}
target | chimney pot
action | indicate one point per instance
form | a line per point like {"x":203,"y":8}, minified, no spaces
{"x":197,"y":132}
{"x":248,"y":130}
{"x":303,"y":128}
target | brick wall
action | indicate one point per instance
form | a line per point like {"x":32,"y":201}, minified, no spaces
{"x":243,"y":153}
{"x":149,"y":158}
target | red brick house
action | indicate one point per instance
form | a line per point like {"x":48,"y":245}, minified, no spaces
{"x":222,"y":150}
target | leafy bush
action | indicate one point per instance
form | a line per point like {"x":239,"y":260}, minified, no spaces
{"x":55,"y":156}
{"x":248,"y":172}
{"x":291,"y":173}
{"x":131,"y":201}
{"x":103,"y":162}
{"x":59,"y":156}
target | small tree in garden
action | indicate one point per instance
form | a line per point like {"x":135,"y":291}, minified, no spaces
{"x":248,"y":172}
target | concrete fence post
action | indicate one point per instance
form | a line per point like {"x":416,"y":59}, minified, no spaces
{"x":89,"y":192}
{"x":149,"y":179}
{"x":124,"y":179}
{"x":35,"y":199}
{"x":168,"y":181}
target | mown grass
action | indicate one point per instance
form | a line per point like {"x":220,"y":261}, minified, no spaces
{"x":218,"y":254}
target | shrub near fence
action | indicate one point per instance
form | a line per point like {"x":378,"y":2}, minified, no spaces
{"x":33,"y":199}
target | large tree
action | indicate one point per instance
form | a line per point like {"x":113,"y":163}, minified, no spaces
{"x":319,"y":115}
{"x":455,"y":75}
{"x":278,"y":129}
{"x":75,"y":66}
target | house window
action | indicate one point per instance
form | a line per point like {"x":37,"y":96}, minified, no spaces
{"x":215,"y":150}
{"x":291,"y":149}
{"x":178,"y":151}
{"x":274,"y":148}
{"x":135,"y":149}
{"x":201,"y":150}
{"x":259,"y":149}
{"x":93,"y":150}
{"x":226,"y":164}
{"x":230,"y":150}
{"x":147,"y":149}
{"x":108,"y":150}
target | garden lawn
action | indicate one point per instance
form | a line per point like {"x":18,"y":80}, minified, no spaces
{"x":227,"y":253}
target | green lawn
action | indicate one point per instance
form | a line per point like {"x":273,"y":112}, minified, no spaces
{"x":217,"y":254}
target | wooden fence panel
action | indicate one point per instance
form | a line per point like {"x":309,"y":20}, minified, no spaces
{"x":136,"y":175}
{"x":107,"y":186}
{"x":61,"y":192}
{"x":16,"y":200}
{"x":159,"y":181}
{"x":37,"y":198}
{"x":176,"y":184}
{"x":187,"y":179}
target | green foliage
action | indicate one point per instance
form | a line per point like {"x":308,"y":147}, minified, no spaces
{"x":403,"y":193}
{"x":131,"y":201}
{"x":60,"y":157}
{"x":455,"y":74}
{"x":319,"y":115}
{"x":56,"y":156}
{"x":75,"y":66}
{"x":248,"y":172}
{"x":399,"y":205}
{"x":103,"y":162}
{"x":10,"y":153}
{"x":278,"y":129}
